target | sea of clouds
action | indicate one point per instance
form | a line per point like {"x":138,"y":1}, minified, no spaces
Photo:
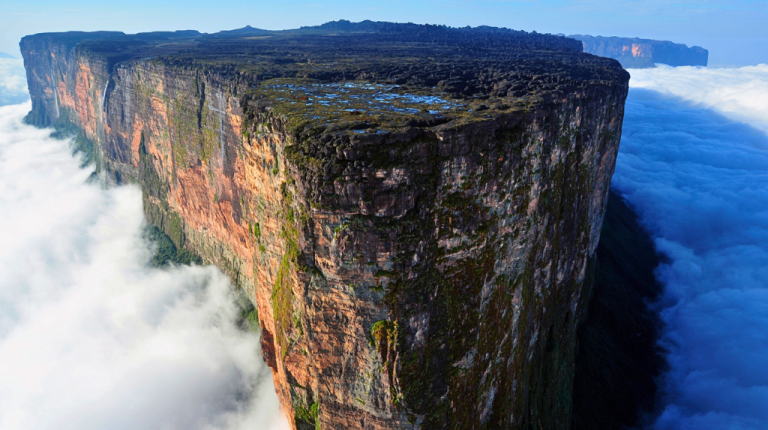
{"x":694,"y":163}
{"x":91,"y":336}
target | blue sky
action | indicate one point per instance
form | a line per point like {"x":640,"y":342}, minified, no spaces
{"x":733,"y":30}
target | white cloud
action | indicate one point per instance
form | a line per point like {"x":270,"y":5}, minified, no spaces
{"x":91,"y":337}
{"x":13,"y":81}
{"x":739,"y":93}
{"x":699,"y":181}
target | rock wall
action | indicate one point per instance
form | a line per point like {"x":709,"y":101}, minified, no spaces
{"x":643,"y":53}
{"x":175,"y":132}
{"x":429,"y":276}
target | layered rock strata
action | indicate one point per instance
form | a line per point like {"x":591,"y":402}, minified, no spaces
{"x":412,"y":209}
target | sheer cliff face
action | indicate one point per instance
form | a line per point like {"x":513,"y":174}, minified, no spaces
{"x":413,"y":222}
{"x":643,"y":53}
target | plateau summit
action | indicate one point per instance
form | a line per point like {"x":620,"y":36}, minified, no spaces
{"x":414,"y":210}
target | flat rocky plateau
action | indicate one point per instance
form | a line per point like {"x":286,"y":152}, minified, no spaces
{"x":413,"y":210}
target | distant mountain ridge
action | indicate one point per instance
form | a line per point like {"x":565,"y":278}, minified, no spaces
{"x":4,"y":55}
{"x":643,"y":53}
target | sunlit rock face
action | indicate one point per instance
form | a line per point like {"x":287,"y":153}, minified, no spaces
{"x":644,"y":53}
{"x":413,"y":209}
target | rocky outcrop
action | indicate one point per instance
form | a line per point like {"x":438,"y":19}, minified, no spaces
{"x":414,"y":215}
{"x":644,"y":53}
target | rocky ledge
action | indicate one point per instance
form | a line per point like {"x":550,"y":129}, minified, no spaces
{"x":414,"y":210}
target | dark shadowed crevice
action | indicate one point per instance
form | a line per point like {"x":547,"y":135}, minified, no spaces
{"x":618,"y":359}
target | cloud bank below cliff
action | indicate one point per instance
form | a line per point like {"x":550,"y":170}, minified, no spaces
{"x":699,"y":180}
{"x":91,"y":337}
{"x":739,"y":94}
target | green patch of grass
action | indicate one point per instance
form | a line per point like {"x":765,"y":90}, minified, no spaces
{"x":385,"y":273}
{"x":307,"y":416}
{"x":167,"y":253}
{"x":248,"y":319}
{"x":380,"y":330}
{"x":282,"y":295}
{"x":176,"y":229}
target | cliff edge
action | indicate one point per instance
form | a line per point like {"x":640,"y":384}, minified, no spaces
{"x":414,"y":210}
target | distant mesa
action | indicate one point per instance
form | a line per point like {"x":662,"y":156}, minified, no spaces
{"x":245,"y":31}
{"x":4,"y":55}
{"x":643,"y":53}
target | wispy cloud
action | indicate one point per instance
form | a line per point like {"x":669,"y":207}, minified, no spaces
{"x":91,"y":337}
{"x":13,"y":81}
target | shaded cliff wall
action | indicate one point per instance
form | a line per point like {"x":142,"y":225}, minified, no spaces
{"x":431,"y":277}
{"x":643,"y":53}
{"x":618,"y":359}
